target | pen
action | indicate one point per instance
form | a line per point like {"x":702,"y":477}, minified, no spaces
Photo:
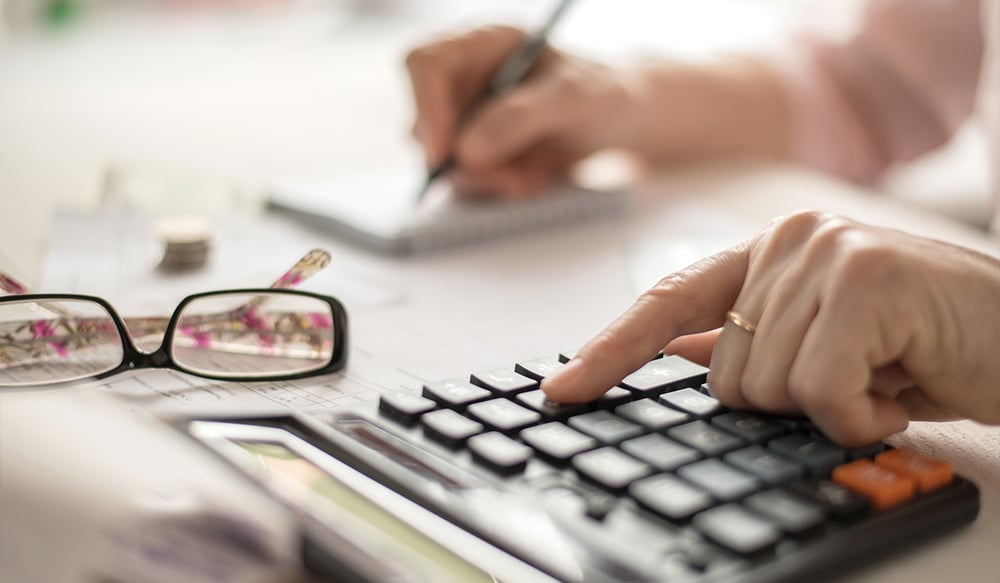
{"x":510,"y":73}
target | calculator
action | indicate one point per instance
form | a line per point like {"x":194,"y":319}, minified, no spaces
{"x":481,"y":478}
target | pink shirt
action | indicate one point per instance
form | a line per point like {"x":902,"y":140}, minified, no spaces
{"x":914,"y":72}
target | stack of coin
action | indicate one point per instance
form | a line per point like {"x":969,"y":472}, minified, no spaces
{"x":187,"y":241}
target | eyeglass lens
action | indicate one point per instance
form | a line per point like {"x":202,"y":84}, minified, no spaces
{"x":62,"y":340}
{"x":243,"y":334}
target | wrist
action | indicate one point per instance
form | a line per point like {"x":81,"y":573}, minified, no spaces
{"x":730,"y":109}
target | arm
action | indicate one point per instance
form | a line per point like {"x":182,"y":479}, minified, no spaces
{"x":898,"y":88}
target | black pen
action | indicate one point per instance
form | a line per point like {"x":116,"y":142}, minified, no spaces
{"x":510,"y":73}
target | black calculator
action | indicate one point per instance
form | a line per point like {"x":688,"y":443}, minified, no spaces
{"x":483,"y":479}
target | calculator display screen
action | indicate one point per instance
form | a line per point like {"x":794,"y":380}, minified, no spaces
{"x":317,"y":493}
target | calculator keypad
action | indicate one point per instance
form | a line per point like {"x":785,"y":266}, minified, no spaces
{"x":660,"y":453}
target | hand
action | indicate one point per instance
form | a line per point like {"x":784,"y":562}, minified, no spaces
{"x":858,"y":327}
{"x":516,"y":144}
{"x":567,"y":108}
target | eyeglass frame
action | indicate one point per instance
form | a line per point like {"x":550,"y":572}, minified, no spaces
{"x":162,"y":357}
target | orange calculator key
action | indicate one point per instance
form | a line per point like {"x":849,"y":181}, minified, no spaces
{"x":929,"y":473}
{"x":884,"y":488}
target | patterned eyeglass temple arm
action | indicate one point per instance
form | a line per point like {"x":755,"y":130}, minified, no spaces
{"x":12,"y":286}
{"x":144,"y":328}
{"x":311,"y":263}
{"x":9,"y":284}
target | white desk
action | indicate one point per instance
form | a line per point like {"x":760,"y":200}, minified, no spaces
{"x":490,"y":306}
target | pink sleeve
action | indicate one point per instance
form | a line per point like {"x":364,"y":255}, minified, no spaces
{"x":898,"y":88}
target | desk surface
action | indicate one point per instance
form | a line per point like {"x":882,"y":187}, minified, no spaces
{"x":511,"y":295}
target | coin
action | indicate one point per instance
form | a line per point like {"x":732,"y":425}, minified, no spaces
{"x":187,"y":241}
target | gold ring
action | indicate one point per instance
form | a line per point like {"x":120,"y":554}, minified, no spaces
{"x":741,"y":322}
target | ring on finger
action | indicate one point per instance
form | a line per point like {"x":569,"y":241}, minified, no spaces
{"x":741,"y":322}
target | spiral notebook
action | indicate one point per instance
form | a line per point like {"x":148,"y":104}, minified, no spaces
{"x":381,"y":212}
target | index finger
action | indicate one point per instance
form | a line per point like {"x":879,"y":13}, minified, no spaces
{"x":692,"y":300}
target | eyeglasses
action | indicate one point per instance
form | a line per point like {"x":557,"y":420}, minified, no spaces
{"x":237,"y":335}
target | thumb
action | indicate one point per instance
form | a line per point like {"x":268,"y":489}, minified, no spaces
{"x":695,"y":347}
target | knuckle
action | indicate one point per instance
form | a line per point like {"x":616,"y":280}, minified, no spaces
{"x":667,"y":287}
{"x":865,"y":262}
{"x":798,"y":385}
{"x":833,"y":234}
{"x":754,"y":391}
{"x":811,"y":394}
{"x":792,"y":231}
{"x":799,"y":223}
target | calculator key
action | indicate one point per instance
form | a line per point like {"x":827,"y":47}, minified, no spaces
{"x":766,"y":465}
{"x":738,"y":530}
{"x":613,"y":397}
{"x":537,"y":401}
{"x":884,"y":488}
{"x":404,"y":406}
{"x":750,"y":427}
{"x":503,"y":381}
{"x":661,"y":453}
{"x":605,"y":426}
{"x":651,"y":414}
{"x":929,"y":474}
{"x":705,"y":438}
{"x":796,"y":424}
{"x":567,"y":355}
{"x":819,"y":456}
{"x":624,"y":522}
{"x":610,"y":468}
{"x":868,"y":451}
{"x":449,"y":427}
{"x":836,"y":499}
{"x":499,"y":452}
{"x":455,"y":393}
{"x":698,"y":552}
{"x":793,"y":514}
{"x":719,"y":479}
{"x":669,"y":496}
{"x":691,"y":401}
{"x":665,"y":374}
{"x":557,"y":442}
{"x":538,"y":368}
{"x":504,"y":414}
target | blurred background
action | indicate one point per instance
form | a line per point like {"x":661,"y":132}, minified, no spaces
{"x":178,"y":105}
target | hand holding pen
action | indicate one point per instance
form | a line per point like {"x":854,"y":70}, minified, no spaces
{"x":518,"y":142}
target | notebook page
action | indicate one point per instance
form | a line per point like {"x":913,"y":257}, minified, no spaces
{"x":382,"y":211}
